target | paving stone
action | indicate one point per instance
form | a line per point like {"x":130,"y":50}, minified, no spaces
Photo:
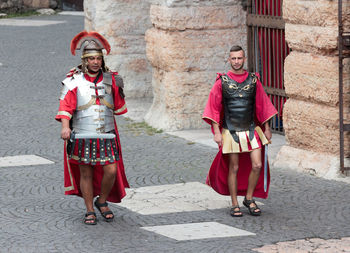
{"x":195,"y":231}
{"x":23,"y":160}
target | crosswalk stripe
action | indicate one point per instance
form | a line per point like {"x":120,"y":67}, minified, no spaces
{"x":23,"y":160}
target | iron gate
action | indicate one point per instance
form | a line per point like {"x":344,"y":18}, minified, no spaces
{"x":344,"y":52}
{"x":267,"y":50}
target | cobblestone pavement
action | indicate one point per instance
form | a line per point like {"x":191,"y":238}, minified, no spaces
{"x":35,"y":215}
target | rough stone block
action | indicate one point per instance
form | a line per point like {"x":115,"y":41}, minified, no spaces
{"x":135,"y":71}
{"x":312,"y":39}
{"x":312,"y":13}
{"x":313,"y":127}
{"x":124,"y":24}
{"x":181,"y":3}
{"x":321,"y":164}
{"x":116,"y":18}
{"x":192,"y":50}
{"x":36,"y":3}
{"x":312,"y":77}
{"x":174,"y":106}
{"x":202,"y":17}
{"x":127,"y":44}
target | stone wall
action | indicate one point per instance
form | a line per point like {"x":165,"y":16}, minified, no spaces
{"x":188,"y":44}
{"x":22,"y":5}
{"x":311,"y":117}
{"x":123,"y":23}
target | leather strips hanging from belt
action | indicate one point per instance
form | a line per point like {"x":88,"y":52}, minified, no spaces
{"x":93,"y":148}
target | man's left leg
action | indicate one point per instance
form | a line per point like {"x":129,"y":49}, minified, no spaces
{"x":109,"y":174}
{"x":255,"y":157}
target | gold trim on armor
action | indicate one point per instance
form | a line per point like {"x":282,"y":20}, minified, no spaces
{"x":230,"y":146}
{"x":74,"y":157}
{"x":120,"y":109}
{"x":103,"y":101}
{"x":90,"y":103}
{"x":97,"y":53}
{"x":65,"y":114}
{"x":224,"y":78}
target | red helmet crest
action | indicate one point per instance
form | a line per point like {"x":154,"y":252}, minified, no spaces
{"x":86,"y":39}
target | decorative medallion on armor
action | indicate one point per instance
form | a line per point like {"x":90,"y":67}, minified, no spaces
{"x":239,"y":104}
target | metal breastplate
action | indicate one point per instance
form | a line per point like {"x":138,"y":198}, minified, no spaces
{"x":239,"y":104}
{"x":90,"y":117}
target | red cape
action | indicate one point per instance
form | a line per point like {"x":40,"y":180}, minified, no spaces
{"x":217,"y":176}
{"x":72,"y":178}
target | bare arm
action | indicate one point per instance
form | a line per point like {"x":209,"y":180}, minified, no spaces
{"x":217,"y":134}
{"x":267,"y":132}
{"x":65,"y":131}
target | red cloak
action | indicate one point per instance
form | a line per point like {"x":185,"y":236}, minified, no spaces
{"x":264,"y":110}
{"x":71,"y":168}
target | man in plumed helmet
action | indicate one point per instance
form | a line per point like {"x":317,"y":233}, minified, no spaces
{"x":90,"y":97}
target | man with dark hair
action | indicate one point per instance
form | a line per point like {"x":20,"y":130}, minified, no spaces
{"x":90,"y":98}
{"x":238,"y":110}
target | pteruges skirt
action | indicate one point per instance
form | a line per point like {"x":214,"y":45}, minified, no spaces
{"x":244,"y":145}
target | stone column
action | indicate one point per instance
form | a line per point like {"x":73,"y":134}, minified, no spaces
{"x":311,"y":117}
{"x":188,"y":44}
{"x":36,"y":3}
{"x":124,"y":23}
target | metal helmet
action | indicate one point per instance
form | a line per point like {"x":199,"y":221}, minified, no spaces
{"x":91,"y":44}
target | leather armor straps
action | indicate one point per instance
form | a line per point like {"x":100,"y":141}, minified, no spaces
{"x":239,"y":105}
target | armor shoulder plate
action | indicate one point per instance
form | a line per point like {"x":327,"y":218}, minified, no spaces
{"x":68,"y":84}
{"x":254,"y":77}
{"x":224,"y":78}
{"x":107,"y":78}
{"x":119,"y":81}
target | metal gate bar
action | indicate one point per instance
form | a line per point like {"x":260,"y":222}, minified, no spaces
{"x":343,"y":47}
{"x":267,"y":50}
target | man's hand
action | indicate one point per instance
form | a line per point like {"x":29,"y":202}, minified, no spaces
{"x":267,"y":131}
{"x":218,"y":139}
{"x":65,"y":133}
{"x":217,"y":134}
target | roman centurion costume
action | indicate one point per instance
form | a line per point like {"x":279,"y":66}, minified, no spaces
{"x":240,"y":106}
{"x":90,"y":102}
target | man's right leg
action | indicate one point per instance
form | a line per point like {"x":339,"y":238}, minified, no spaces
{"x":86,"y":187}
{"x":232,"y":182}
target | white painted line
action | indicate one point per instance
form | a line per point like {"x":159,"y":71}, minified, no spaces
{"x":28,"y":22}
{"x":23,"y":160}
{"x":195,"y":231}
{"x":175,"y":198}
{"x":73,"y":13}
